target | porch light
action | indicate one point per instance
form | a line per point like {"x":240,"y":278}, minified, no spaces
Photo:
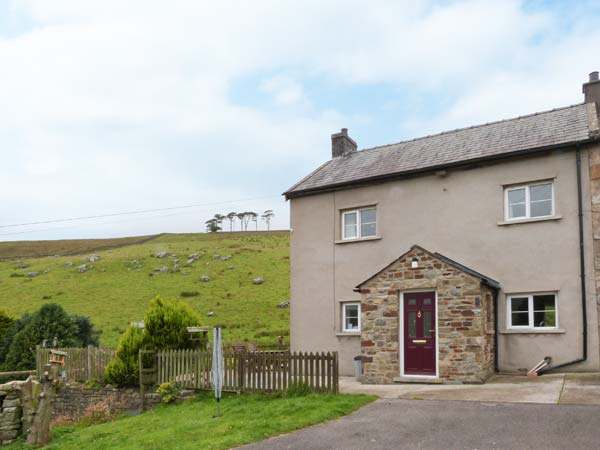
{"x":414,"y":263}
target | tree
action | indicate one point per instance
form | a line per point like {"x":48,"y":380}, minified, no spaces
{"x":212,"y":226}
{"x":49,"y":322}
{"x":267,"y":216}
{"x":219,"y":218}
{"x":231,"y":217}
{"x":246,"y":218}
{"x":254,"y":218}
{"x":165,"y":327}
{"x":7,"y":332}
{"x":241,"y":217}
{"x":123,"y":369}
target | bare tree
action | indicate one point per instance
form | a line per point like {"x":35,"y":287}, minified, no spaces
{"x":231,"y":217}
{"x":254,"y":218}
{"x":241,"y":217}
{"x":267,"y":216}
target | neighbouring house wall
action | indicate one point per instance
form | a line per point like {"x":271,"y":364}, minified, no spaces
{"x":465,"y":339}
{"x":594,"y":174}
{"x":458,"y":215}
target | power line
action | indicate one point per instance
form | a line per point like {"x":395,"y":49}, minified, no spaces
{"x":140,"y":211}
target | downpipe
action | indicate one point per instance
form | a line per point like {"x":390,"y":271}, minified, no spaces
{"x":582,"y":272}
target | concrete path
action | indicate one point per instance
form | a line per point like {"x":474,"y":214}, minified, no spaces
{"x":450,"y":425}
{"x":555,"y":388}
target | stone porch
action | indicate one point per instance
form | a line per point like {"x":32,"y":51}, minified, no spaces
{"x":465,"y":325}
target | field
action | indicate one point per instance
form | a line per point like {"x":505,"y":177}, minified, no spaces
{"x":117,"y":290}
{"x":245,"y":419}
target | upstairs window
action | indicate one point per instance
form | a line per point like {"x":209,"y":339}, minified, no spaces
{"x":529,"y":201}
{"x":532,"y":311}
{"x":351,"y":317}
{"x":359,"y":223}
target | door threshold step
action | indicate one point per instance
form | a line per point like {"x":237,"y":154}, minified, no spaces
{"x":420,"y":380}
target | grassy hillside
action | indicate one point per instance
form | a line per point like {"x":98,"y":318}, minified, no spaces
{"x":34,"y":249}
{"x":120,"y":285}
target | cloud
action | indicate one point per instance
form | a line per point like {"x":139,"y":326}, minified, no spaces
{"x":112,"y":105}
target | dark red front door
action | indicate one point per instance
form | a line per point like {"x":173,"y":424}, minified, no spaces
{"x":419,"y":333}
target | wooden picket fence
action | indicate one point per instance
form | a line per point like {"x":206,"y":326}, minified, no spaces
{"x":81,"y":364}
{"x":267,"y":371}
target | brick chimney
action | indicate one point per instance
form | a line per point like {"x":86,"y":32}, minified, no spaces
{"x":342,"y":144}
{"x":591,"y":90}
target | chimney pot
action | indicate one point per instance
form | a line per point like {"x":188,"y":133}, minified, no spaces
{"x":342,"y":144}
{"x":594,"y":76}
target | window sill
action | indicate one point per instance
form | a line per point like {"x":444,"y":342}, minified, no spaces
{"x":534,"y":219}
{"x":348,"y":334}
{"x":348,"y":241}
{"x":534,"y":331}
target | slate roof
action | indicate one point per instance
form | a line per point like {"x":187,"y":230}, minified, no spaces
{"x":540,"y":131}
{"x":486,"y":280}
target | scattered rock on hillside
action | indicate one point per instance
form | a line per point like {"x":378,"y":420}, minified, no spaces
{"x":68,"y":264}
{"x":217,"y":257}
{"x":84,"y":268}
{"x":22,"y":265}
{"x":135,"y":261}
{"x":230,"y":267}
{"x":258,"y":280}
{"x":226,"y":258}
{"x":204,"y":278}
{"x":189,"y":262}
{"x":284,"y":304}
{"x":94,"y":258}
{"x":210,"y":313}
{"x":33,"y":274}
{"x":163,"y":269}
{"x":176,"y":264}
{"x":161,"y":255}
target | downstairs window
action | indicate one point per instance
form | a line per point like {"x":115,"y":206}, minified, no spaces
{"x":532,"y":311}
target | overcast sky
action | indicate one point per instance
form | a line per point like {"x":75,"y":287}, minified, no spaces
{"x":112,"y":105}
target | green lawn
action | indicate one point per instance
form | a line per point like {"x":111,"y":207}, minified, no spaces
{"x":245,"y":419}
{"x":117,"y":291}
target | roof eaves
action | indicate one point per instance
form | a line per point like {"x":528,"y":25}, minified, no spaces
{"x":314,"y":172}
{"x":429,"y":169}
{"x":486,"y":280}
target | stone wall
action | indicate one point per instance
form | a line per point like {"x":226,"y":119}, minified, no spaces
{"x":17,"y":400}
{"x":594,"y":163}
{"x":465,"y":319}
{"x":73,"y":400}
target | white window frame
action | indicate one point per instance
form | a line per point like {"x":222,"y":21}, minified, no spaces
{"x":530,"y":311}
{"x":358,"y":223}
{"x":527,"y":187}
{"x":344,"y":305}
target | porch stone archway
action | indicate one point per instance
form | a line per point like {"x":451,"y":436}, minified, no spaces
{"x":465,"y":317}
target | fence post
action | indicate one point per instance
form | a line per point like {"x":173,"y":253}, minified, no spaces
{"x":335,"y":373}
{"x":142,"y":390}
{"x":89,"y":362}
{"x":241,"y":368}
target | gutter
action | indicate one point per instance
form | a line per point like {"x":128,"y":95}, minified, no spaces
{"x":584,"y":349}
